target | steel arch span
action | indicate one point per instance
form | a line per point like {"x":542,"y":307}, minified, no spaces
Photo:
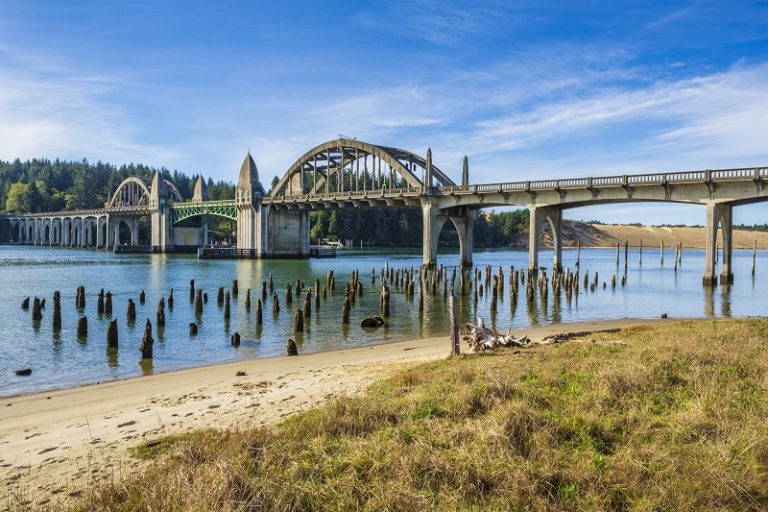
{"x":348,"y":164}
{"x":134,"y":191}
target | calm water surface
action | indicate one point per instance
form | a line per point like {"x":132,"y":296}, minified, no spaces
{"x":61,"y":360}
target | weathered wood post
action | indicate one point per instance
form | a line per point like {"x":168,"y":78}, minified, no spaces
{"x":271,"y":284}
{"x":192,"y":294}
{"x":25,"y":304}
{"x":259,"y":316}
{"x":235,"y":290}
{"x":264,"y":290}
{"x":161,"y":313}
{"x":578,"y":253}
{"x":298,"y":321}
{"x":455,"y":343}
{"x":220,"y":296}
{"x":617,"y":253}
{"x":345,"y":309}
{"x":147,"y":341}
{"x":308,"y":305}
{"x":226,"y":306}
{"x":291,"y":348}
{"x":82,"y":327}
{"x":80,"y":298}
{"x":661,"y":253}
{"x":142,"y":297}
{"x":37,"y":310}
{"x":193,"y":329}
{"x":288,"y":294}
{"x":198,"y":302}
{"x":108,"y":303}
{"x":275,"y":304}
{"x":248,"y":300}
{"x":641,"y":252}
{"x":754,"y":256}
{"x":235,"y":339}
{"x":57,"y":310}
{"x":170,"y":301}
{"x":100,"y":302}
{"x":112,"y":334}
{"x":626,"y":254}
{"x":131,"y":313}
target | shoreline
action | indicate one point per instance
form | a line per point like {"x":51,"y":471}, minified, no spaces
{"x":55,"y":444}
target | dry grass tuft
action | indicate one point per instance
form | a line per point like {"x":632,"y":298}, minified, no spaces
{"x":674,"y":419}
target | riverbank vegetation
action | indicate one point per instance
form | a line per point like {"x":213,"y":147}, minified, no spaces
{"x":650,"y":418}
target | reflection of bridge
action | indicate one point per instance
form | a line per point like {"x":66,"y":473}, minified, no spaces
{"x":352,"y":174}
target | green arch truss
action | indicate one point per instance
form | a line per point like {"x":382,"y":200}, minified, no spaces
{"x":184,"y":211}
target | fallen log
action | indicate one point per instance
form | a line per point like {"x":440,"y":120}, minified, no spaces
{"x":479,"y":338}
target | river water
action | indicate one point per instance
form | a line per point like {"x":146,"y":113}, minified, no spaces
{"x":61,"y":360}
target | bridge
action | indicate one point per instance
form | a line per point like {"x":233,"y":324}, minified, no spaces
{"x":346,"y":173}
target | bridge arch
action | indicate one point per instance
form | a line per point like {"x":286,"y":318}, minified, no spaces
{"x":134,"y":191}
{"x":336,"y":166}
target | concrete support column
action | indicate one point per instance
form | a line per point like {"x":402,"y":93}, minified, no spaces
{"x":204,"y":230}
{"x":135,"y":231}
{"x":464,"y":225}
{"x":538,"y":216}
{"x":432,"y":224}
{"x":719,"y":216}
{"x":99,"y":233}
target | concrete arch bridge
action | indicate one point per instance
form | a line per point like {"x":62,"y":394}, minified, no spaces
{"x":346,"y":173}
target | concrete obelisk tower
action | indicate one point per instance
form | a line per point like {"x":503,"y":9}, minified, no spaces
{"x":248,"y":196}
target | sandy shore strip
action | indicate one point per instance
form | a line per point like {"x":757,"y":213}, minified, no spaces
{"x":55,"y":444}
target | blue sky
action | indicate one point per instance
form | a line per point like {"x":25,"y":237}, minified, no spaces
{"x":527,"y":89}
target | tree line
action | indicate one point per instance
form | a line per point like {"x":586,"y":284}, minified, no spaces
{"x":42,"y":185}
{"x":402,"y":227}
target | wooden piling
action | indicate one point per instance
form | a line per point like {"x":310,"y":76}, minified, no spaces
{"x":235,"y":339}
{"x":198,"y":302}
{"x":455,"y":343}
{"x":298,"y":320}
{"x":226,"y":306}
{"x":235,"y":289}
{"x":161,"y":313}
{"x":131,"y":313}
{"x":193,"y":329}
{"x":108,"y":303}
{"x":308,"y":305}
{"x":291,"y":348}
{"x":661,"y":253}
{"x":259,"y":316}
{"x":220,"y":296}
{"x":170,"y":301}
{"x":626,"y":254}
{"x":112,"y":334}
{"x":192,"y":290}
{"x":578,"y":253}
{"x":100,"y":302}
{"x":57,"y":310}
{"x":641,"y":252}
{"x":248,"y":300}
{"x":142,"y":297}
{"x":37,"y":310}
{"x":82,"y":327}
{"x":754,"y":256}
{"x":275,"y":304}
{"x":147,"y":341}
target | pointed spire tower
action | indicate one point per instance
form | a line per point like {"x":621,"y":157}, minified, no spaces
{"x":201,"y":190}
{"x":249,"y":189}
{"x":157,"y":192}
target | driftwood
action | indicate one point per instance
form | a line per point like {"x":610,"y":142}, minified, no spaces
{"x":564,"y":336}
{"x":479,"y":338}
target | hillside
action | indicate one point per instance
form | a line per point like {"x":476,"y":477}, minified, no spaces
{"x":603,"y":235}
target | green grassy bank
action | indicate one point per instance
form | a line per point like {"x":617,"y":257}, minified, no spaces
{"x":673,"y":417}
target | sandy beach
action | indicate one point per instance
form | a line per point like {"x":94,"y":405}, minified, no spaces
{"x":53,"y":445}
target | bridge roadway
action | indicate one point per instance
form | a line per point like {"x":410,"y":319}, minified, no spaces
{"x":330,"y":177}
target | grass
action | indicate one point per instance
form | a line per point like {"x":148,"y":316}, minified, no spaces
{"x":675,"y":418}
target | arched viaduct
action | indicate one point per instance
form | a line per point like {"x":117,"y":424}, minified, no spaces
{"x":345,"y":173}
